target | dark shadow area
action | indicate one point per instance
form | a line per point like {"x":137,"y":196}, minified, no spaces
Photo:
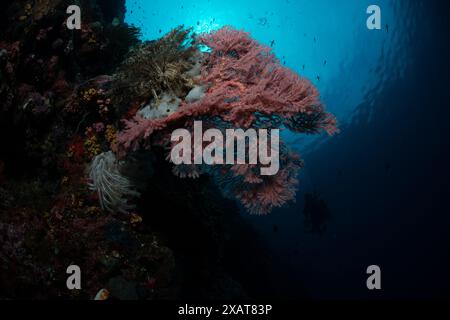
{"x":218,"y":254}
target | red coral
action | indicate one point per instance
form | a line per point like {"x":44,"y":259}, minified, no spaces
{"x":248,"y":87}
{"x":261,"y":194}
{"x":248,"y":171}
{"x":270,"y":192}
{"x":73,"y":162}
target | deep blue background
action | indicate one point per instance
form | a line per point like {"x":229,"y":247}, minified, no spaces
{"x":385,"y":177}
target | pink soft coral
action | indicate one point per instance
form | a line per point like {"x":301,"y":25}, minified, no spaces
{"x":247,"y":87}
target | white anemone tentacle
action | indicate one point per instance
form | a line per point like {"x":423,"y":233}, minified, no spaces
{"x":114,"y":190}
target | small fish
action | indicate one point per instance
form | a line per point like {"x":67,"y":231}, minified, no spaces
{"x":263,"y":21}
{"x":318,"y":78}
{"x":387,"y":28}
{"x":325,"y":62}
{"x":272,"y":43}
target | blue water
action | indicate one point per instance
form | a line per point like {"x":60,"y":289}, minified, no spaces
{"x":384,"y":176}
{"x":314,"y":38}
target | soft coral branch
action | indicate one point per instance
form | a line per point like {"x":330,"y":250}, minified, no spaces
{"x":247,"y":87}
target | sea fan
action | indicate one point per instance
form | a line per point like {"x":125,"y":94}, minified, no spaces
{"x":241,"y":85}
{"x":113,"y":189}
